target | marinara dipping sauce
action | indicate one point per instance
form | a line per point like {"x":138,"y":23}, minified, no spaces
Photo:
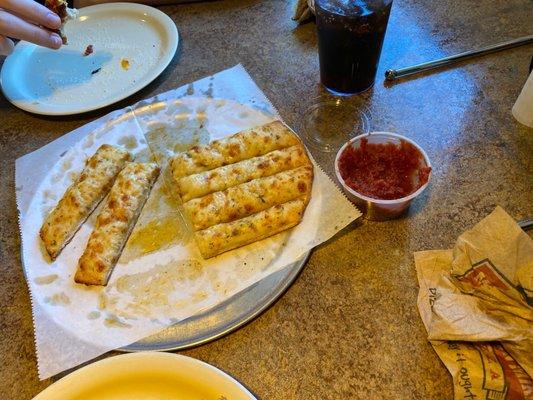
{"x":385,"y":171}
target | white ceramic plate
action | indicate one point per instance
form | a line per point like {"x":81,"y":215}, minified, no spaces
{"x":64,"y":82}
{"x":147,"y":375}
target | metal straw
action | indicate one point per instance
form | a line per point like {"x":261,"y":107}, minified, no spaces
{"x":526,"y":224}
{"x":393,"y":74}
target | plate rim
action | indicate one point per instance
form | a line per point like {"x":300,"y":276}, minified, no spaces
{"x":145,"y":356}
{"x":164,"y":19}
{"x":294,"y":271}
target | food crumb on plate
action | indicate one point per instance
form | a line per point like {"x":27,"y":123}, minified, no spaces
{"x":88,"y":50}
{"x":125,"y":64}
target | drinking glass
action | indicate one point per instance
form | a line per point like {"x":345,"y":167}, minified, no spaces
{"x":350,"y":37}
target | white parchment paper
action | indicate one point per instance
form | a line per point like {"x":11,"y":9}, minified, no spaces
{"x":150,"y":291}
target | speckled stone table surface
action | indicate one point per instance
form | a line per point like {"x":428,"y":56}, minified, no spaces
{"x":349,"y":327}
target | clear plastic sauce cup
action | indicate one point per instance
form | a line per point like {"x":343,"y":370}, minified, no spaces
{"x":379,"y":209}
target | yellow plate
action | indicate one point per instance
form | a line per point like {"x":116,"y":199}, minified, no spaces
{"x":147,"y":376}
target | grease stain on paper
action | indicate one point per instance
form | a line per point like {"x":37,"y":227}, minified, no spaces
{"x":156,"y":234}
{"x":67,"y":164}
{"x":57,"y":299}
{"x":159,"y":226}
{"x":165,"y":140}
{"x":104,"y":130}
{"x":177,"y":110}
{"x":57,"y":177}
{"x":201,"y":109}
{"x":49,"y":195}
{"x":45,"y":279}
{"x":89,"y":141}
{"x":155,"y":292}
{"x":112,"y":321}
{"x":129,"y":142}
{"x":93,"y":315}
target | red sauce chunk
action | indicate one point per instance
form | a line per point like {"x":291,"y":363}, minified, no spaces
{"x":384,"y":171}
{"x":88,"y":50}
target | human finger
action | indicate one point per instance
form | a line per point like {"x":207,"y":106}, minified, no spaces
{"x":6,"y":46}
{"x":13,"y":26}
{"x":30,"y":9}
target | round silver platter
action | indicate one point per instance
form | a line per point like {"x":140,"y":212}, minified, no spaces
{"x":224,"y":318}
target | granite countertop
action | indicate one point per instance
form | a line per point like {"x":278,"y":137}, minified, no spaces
{"x":348,"y":328}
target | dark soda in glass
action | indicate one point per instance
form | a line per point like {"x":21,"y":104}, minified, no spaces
{"x":350,"y":36}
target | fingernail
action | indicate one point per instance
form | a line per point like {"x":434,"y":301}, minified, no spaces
{"x":56,"y":40}
{"x":53,"y":20}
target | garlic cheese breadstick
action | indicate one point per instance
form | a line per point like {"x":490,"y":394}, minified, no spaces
{"x":82,"y":197}
{"x":115,"y":222}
